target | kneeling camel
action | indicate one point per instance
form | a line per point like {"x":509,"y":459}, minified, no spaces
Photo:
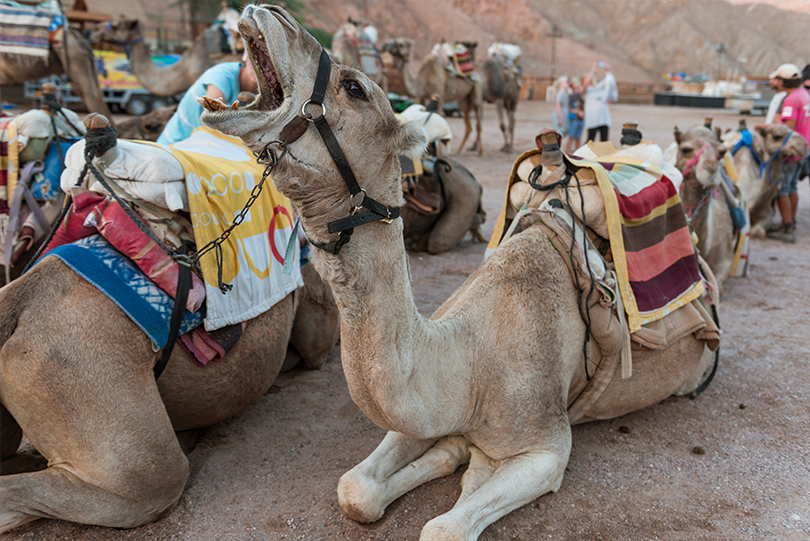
{"x":475,"y":383}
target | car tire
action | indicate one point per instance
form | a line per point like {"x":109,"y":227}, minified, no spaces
{"x":138,"y":105}
{"x":159,"y":102}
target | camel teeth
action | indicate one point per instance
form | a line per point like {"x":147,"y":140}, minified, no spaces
{"x":203,"y":100}
{"x":235,"y":105}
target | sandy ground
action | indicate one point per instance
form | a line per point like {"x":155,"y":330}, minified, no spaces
{"x":732,"y":464}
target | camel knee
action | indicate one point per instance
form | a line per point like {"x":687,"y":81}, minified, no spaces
{"x":450,"y":453}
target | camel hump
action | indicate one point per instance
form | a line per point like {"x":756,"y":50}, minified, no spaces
{"x":96,"y":121}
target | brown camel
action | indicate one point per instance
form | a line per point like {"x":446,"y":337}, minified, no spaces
{"x":758,"y":182}
{"x":699,"y":159}
{"x":500,"y":85}
{"x":76,"y":56}
{"x":76,"y":377}
{"x":461,"y":212}
{"x":344,"y":51}
{"x":166,"y":81}
{"x":145,"y":127}
{"x":434,"y":78}
{"x":486,"y":380}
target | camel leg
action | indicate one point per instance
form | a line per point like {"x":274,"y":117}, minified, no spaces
{"x":517,"y":481}
{"x":467,"y":129}
{"x":397,"y":466}
{"x":511,"y":115}
{"x":478,"y":472}
{"x":90,"y":405}
{"x":502,"y":124}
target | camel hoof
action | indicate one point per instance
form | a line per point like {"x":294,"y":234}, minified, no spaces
{"x":359,"y":497}
{"x":442,"y":528}
{"x":506,"y":149}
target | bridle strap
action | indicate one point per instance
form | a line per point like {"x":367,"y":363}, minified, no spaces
{"x":358,"y":198}
{"x":766,"y":166}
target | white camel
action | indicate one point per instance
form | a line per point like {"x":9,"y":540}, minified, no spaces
{"x":488,"y":379}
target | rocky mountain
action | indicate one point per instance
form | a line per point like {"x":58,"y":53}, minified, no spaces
{"x":640,"y":38}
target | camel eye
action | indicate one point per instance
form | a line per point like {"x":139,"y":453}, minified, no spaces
{"x":354,"y":89}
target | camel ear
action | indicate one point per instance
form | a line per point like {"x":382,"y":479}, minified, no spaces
{"x":411,"y":139}
{"x":677,"y":134}
{"x":718,"y":133}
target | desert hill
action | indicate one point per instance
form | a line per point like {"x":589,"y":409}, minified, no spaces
{"x":641,"y":38}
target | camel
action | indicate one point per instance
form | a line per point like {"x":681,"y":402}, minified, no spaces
{"x":485,"y":381}
{"x":76,"y":377}
{"x":768,"y":145}
{"x":699,"y":159}
{"x":462,"y":212}
{"x":72,"y":55}
{"x":344,"y":51}
{"x":167,"y":81}
{"x":434,"y":78}
{"x":501,"y":86}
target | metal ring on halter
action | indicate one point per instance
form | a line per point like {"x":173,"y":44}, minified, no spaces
{"x":267,"y":156}
{"x":311,"y":118}
{"x":358,"y":205}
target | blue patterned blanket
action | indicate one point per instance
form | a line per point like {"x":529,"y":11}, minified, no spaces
{"x":95,"y":260}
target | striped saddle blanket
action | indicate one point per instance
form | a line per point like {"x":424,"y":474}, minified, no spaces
{"x":26,"y":30}
{"x":456,"y":58}
{"x":634,"y":205}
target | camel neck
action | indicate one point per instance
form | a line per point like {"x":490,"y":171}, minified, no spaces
{"x":391,"y":354}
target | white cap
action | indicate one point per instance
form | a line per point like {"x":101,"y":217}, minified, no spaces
{"x":786,"y":71}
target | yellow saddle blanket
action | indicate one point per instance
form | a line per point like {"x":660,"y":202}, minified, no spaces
{"x":220,"y":175}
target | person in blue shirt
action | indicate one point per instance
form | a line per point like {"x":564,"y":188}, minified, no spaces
{"x":224,"y":81}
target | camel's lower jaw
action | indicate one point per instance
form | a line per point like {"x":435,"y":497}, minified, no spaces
{"x":239,"y":122}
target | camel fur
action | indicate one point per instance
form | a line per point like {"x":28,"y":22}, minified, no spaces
{"x":434,"y":78}
{"x":711,"y":220}
{"x":74,"y":51}
{"x":474,"y":384}
{"x":76,"y":377}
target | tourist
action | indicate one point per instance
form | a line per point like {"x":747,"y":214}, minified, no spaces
{"x":559,"y":117}
{"x":597,"y":97}
{"x":775,"y":105}
{"x":224,"y":81}
{"x":796,"y":116}
{"x":576,"y":116}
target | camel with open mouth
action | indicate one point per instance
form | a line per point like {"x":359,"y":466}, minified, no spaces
{"x":488,"y":379}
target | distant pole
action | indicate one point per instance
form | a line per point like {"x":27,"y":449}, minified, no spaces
{"x":555,"y":33}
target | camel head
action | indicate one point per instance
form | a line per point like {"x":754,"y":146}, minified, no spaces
{"x":773,"y":136}
{"x":699,"y":153}
{"x":399,"y":48}
{"x":121,"y":32}
{"x":286,"y":60}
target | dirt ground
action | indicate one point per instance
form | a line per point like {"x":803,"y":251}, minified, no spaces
{"x":732,"y":464}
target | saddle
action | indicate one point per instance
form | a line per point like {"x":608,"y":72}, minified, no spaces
{"x":422,"y":190}
{"x":456,"y":59}
{"x":602,"y":252}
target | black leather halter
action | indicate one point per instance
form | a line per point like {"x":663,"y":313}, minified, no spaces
{"x":358,"y":198}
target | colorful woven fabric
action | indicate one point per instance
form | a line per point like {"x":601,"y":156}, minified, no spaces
{"x":652,"y":249}
{"x":24,"y":30}
{"x":650,"y":240}
{"x":9,"y":163}
{"x":462,"y":60}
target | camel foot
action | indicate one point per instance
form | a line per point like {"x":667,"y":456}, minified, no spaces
{"x":360,"y":496}
{"x":507,"y":149}
{"x":443,"y":528}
